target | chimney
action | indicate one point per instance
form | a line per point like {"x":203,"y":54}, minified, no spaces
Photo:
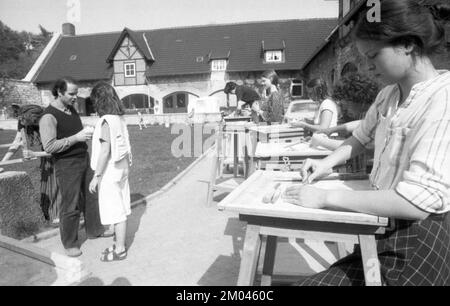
{"x":68,"y":29}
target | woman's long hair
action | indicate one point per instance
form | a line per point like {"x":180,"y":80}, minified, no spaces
{"x":407,"y":22}
{"x":318,"y":88}
{"x":273,"y":77}
{"x":106,"y":101}
{"x":29,"y":116}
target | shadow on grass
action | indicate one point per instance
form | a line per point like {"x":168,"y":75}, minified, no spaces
{"x":136,"y":197}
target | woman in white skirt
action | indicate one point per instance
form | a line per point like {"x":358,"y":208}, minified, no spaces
{"x":111,"y":158}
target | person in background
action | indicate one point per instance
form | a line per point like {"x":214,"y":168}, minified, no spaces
{"x":141,"y":121}
{"x":247,"y":99}
{"x":272,"y":109}
{"x":111,"y":158}
{"x":64,"y":137}
{"x":328,"y":113}
{"x":409,"y":123}
{"x":28,"y":126}
{"x":355,"y":93}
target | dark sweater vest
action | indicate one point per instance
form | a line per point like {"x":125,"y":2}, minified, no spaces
{"x":66,"y":126}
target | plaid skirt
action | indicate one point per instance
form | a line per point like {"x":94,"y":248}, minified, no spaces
{"x":415,"y":253}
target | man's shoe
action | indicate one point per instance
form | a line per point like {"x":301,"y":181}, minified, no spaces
{"x":73,"y":252}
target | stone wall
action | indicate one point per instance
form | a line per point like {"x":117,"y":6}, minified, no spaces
{"x":22,"y":92}
{"x":329,"y":63}
{"x":332,"y":58}
{"x":20,"y":214}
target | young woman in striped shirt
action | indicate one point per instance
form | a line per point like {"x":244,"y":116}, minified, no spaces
{"x":409,"y":124}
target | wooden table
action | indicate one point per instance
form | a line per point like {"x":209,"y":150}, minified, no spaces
{"x":237,"y":128}
{"x":282,"y":219}
{"x":284,"y":153}
{"x":277,"y":133}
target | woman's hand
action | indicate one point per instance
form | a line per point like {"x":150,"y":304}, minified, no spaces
{"x":298,"y":123}
{"x":313,"y":169}
{"x":28,"y":154}
{"x":305,"y":196}
{"x":317,"y":140}
{"x":93,"y":184}
{"x":325,"y":131}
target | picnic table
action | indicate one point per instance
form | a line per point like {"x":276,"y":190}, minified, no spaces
{"x":282,"y":219}
{"x":277,"y":133}
{"x":238,"y":128}
{"x":287,"y":155}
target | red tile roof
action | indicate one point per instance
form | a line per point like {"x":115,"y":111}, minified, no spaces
{"x":187,"y":50}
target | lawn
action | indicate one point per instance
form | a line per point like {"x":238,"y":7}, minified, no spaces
{"x":153,"y":163}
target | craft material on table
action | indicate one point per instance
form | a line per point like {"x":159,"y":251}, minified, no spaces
{"x":248,"y":199}
{"x":264,"y":150}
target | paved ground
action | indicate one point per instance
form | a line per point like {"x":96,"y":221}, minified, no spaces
{"x":177,"y":240}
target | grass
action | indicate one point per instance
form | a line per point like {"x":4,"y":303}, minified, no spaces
{"x":153,"y":163}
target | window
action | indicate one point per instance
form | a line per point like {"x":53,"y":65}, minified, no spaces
{"x":181,"y":100}
{"x":219,"y":65}
{"x":130,"y":70}
{"x":168,"y":102}
{"x":297,"y":88}
{"x":274,"y":56}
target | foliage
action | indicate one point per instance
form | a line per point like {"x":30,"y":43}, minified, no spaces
{"x":19,"y":50}
{"x":355,"y":91}
{"x":356,"y":88}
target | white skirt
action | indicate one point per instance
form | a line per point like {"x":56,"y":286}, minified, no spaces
{"x":114,"y":193}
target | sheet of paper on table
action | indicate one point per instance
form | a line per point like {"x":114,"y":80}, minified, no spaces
{"x":248,"y":199}
{"x":289,"y":149}
{"x":276,"y":128}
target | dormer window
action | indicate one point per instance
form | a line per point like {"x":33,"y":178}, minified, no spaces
{"x":130,"y":70}
{"x":273,"y":56}
{"x":219,"y":65}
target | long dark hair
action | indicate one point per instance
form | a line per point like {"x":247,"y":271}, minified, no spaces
{"x":318,"y":88}
{"x":29,"y":116}
{"x":272,"y":76}
{"x":229,"y":87}
{"x":406,"y":22}
{"x":106,"y":101}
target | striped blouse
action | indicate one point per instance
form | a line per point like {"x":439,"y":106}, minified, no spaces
{"x":412,"y":143}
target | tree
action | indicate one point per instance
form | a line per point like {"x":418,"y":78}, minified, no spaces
{"x":18,"y":51}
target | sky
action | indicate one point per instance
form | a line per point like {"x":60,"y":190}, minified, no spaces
{"x":94,"y":16}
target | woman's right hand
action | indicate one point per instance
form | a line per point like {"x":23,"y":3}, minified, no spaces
{"x":324,"y":131}
{"x":313,"y":169}
{"x":317,"y":140}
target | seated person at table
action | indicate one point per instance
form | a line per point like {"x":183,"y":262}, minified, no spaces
{"x":327,"y":115}
{"x":247,"y":99}
{"x":409,"y":125}
{"x":355,"y":93}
